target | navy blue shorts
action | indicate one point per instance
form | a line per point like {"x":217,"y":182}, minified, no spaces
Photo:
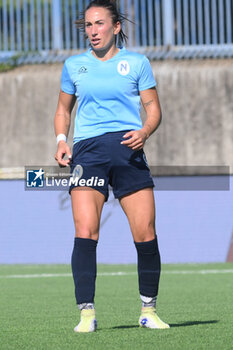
{"x":101,"y":161}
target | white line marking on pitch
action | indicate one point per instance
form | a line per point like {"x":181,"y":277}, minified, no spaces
{"x":171,"y":272}
{"x":199,"y":272}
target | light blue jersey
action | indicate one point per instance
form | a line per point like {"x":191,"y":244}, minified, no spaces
{"x":107,"y":91}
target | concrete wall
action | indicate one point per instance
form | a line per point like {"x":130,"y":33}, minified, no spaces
{"x":197,"y":105}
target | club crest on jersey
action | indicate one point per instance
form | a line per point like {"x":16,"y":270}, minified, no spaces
{"x":123,"y":68}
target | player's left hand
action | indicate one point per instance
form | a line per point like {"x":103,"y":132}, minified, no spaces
{"x":135,"y":139}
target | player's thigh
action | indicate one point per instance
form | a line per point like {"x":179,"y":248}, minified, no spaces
{"x":139,"y":208}
{"x":87,"y":204}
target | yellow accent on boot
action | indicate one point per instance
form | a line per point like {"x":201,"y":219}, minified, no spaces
{"x":87,"y":322}
{"x":149,"y":319}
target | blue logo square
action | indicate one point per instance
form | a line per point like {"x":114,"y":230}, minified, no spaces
{"x":35,"y":178}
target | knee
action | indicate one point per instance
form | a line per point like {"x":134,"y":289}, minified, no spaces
{"x":145,"y":232}
{"x":85,"y":230}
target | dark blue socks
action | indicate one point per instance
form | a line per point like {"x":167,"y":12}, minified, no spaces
{"x":84,"y":268}
{"x":83,"y":264}
{"x":149,"y":267}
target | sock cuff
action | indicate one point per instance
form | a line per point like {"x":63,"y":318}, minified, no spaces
{"x":148,"y":301}
{"x":149,"y":247}
{"x":85,"y":243}
{"x":86,"y":306}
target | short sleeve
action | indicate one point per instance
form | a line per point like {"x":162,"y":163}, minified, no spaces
{"x":67,"y":84}
{"x":146,"y":77}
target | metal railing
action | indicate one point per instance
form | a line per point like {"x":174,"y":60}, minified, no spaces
{"x":161,"y":28}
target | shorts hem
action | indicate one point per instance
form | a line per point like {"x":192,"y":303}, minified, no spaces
{"x":133,"y":189}
{"x":106,"y":195}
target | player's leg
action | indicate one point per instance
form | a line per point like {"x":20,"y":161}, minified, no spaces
{"x":87,"y":205}
{"x":140,"y":210}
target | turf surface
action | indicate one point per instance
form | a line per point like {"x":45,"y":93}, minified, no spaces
{"x":39,"y":311}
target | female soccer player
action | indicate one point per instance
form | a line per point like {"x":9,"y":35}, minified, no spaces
{"x":108,"y":82}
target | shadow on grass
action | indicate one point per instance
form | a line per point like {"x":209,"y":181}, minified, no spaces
{"x":183,"y":324}
{"x":125,"y":327}
{"x":192,"y":323}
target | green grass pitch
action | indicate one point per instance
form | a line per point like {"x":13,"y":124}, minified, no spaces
{"x":39,"y":312}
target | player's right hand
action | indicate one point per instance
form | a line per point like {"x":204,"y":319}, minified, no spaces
{"x":62,"y":150}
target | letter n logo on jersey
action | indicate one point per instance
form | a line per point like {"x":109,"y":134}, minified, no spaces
{"x":123,"y":67}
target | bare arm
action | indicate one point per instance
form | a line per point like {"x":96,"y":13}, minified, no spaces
{"x":150,"y":102}
{"x":62,"y":125}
